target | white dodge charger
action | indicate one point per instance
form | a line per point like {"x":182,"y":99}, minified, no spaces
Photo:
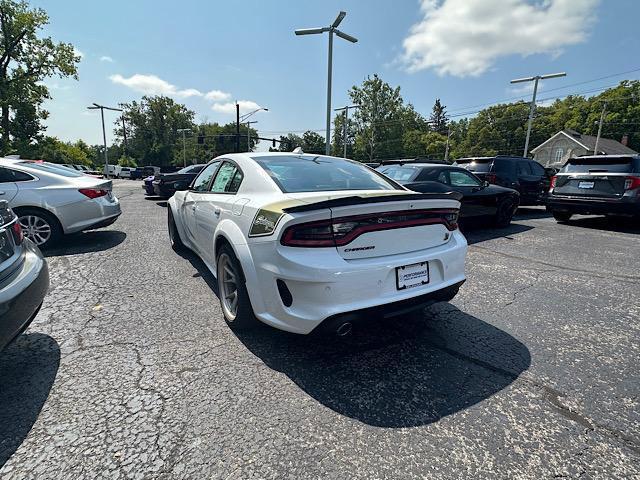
{"x":298,"y":240}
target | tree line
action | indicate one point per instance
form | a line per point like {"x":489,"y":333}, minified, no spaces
{"x":383,"y":126}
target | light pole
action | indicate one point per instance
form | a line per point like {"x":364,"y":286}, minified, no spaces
{"x":242,"y":119}
{"x":344,"y":127}
{"x":532,"y":108}
{"x":102,"y":108}
{"x":604,"y":111}
{"x":446,"y":150}
{"x":333,"y":28}
{"x":184,"y":144}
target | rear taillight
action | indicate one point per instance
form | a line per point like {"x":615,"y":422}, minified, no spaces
{"x":491,"y":177}
{"x":18,"y":235}
{"x":341,"y":231}
{"x":631,"y":183}
{"x":552,"y":185}
{"x":94,"y":192}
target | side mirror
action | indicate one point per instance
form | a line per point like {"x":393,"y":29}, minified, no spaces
{"x":485,"y":184}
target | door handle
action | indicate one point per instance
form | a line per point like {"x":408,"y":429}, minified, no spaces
{"x":1,"y":193}
{"x":217,"y":212}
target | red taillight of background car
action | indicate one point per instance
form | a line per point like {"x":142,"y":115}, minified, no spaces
{"x":552,"y":185}
{"x":631,"y":183}
{"x":94,"y":192}
{"x":18,"y":235}
{"x":491,"y":178}
{"x":342,"y":231}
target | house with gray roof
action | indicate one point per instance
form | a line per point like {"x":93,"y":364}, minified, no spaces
{"x":565,"y":144}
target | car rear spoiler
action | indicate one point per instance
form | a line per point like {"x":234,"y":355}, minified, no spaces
{"x":357,"y":200}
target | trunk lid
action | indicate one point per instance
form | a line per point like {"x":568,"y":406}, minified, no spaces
{"x":595,"y":177}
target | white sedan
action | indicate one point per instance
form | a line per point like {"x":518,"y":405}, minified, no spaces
{"x":299,"y":240}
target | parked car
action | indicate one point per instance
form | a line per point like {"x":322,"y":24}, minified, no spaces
{"x":166,"y":184}
{"x":113,"y":171}
{"x":147,"y":186}
{"x":87,"y":171}
{"x":298,"y":240}
{"x":596,"y":185}
{"x":479,"y":198}
{"x":526,"y":176}
{"x":125,"y":172}
{"x":24,"y":277}
{"x":51,"y":200}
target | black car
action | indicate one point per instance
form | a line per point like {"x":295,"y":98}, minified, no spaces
{"x":24,"y":278}
{"x":596,"y":185}
{"x":526,"y":176}
{"x":166,"y":184}
{"x":479,"y":198}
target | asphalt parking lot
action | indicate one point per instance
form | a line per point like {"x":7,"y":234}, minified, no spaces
{"x":129,"y":370}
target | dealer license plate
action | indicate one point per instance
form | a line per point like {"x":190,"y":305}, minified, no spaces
{"x":586,"y":184}
{"x":414,"y":275}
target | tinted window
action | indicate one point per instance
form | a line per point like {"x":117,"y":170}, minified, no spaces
{"x":399,"y":174}
{"x":538,"y":169}
{"x":523,"y":168}
{"x":191,"y":169}
{"x":321,"y":174}
{"x":602,"y":164}
{"x":201,"y":183}
{"x":227,"y":179}
{"x":9,"y":175}
{"x":475,"y":164}
{"x":426,"y":174}
{"x":463,"y":179}
{"x":52,"y":168}
{"x":501,"y":165}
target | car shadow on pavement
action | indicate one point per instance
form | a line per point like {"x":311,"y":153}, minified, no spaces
{"x":531,"y":213}
{"x":401,"y":372}
{"x":202,"y":270}
{"x":86,"y":242}
{"x":477,"y":234}
{"x":28,"y":368}
{"x":619,"y":225}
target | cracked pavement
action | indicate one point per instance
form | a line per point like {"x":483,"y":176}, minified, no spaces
{"x":129,"y":371}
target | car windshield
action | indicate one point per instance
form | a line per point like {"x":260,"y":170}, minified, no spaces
{"x":598,"y":164}
{"x":190,"y":169}
{"x":318,"y":174}
{"x":52,"y":168}
{"x":398,"y":173}
{"x":475,"y":164}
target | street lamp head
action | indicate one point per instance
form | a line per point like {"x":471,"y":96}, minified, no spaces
{"x":339,"y":19}
{"x":553,"y":75}
{"x":525,"y":79}
{"x":346,"y":36}
{"x":310,"y":31}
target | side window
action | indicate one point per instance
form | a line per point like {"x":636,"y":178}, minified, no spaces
{"x":424,"y":175}
{"x":227,"y":179}
{"x":201,"y":183}
{"x":8,"y":175}
{"x":537,"y":169}
{"x":463,"y":179}
{"x":523,"y":168}
{"x":443,"y":177}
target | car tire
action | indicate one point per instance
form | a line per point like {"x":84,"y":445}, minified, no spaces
{"x":504,"y":214}
{"x":174,"y":234}
{"x":232,"y":291}
{"x":39,"y":226}
{"x":562,"y":217}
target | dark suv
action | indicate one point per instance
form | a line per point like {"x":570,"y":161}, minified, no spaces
{"x":526,"y":176}
{"x":596,"y":185}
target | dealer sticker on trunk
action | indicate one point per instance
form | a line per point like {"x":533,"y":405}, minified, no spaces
{"x":586,"y":184}
{"x":410,"y":276}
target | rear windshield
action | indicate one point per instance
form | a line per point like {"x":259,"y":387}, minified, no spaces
{"x":52,"y":168}
{"x":599,"y":164}
{"x":321,"y":174}
{"x":191,"y":169}
{"x":399,"y":174}
{"x":475,"y":164}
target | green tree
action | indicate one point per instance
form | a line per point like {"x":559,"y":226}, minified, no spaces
{"x":313,"y":142}
{"x":25,"y":60}
{"x":125,"y":161}
{"x":438,"y":119}
{"x":53,"y":150}
{"x":287,"y":143}
{"x":152,"y":129}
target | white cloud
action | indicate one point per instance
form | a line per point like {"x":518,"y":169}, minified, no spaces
{"x":462,"y":37}
{"x":106,"y":58}
{"x":230,"y":107}
{"x":217,"y":96}
{"x":153,"y":85}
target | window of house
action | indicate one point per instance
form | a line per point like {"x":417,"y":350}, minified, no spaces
{"x":559,"y":153}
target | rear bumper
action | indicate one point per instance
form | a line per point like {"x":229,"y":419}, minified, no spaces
{"x":21,"y":297}
{"x":322,"y":284}
{"x":88,"y":214}
{"x":163,"y":191}
{"x":619,"y":206}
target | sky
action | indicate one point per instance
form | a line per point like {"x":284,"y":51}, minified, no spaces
{"x":210,"y":54}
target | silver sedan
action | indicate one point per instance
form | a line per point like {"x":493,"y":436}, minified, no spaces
{"x":51,"y":200}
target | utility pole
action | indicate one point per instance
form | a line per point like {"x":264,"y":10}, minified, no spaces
{"x":184,"y":144}
{"x":446,"y":150}
{"x":102,"y":108}
{"x":237,"y":127}
{"x":532,"y":107}
{"x":333,"y":28}
{"x":249,"y":135}
{"x":344,"y":126}
{"x":124,"y":135}
{"x":602,"y":114}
